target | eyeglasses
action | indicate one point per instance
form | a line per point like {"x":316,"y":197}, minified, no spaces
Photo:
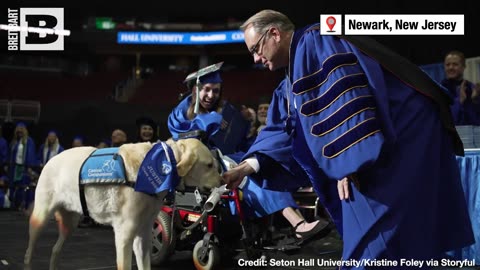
{"x":254,"y":49}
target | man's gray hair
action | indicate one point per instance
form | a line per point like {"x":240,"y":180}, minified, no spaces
{"x":267,"y":18}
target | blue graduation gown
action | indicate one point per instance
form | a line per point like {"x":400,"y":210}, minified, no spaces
{"x":273,"y":143}
{"x":41,"y":158}
{"x":3,"y":151}
{"x":355,"y":117}
{"x":260,"y":201}
{"x":18,"y":176}
{"x":2,"y":199}
{"x":178,"y":121}
{"x":30,"y":160}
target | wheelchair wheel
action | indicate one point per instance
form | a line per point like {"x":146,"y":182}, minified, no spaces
{"x":163,"y":239}
{"x":210,"y":261}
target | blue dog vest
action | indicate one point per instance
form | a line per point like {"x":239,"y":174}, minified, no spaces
{"x":104,"y":166}
{"x":158,"y":171}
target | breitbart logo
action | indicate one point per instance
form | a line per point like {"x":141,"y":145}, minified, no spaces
{"x":35,"y":29}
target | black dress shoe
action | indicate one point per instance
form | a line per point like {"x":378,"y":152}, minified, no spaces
{"x":320,"y":230}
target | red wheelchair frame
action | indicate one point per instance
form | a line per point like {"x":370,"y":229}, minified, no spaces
{"x":208,"y":234}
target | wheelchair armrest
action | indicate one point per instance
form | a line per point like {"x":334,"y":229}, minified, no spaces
{"x":199,"y":134}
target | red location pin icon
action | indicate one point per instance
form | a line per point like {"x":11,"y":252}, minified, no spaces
{"x":331,"y":23}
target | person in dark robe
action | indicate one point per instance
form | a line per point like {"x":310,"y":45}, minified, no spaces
{"x":146,"y":130}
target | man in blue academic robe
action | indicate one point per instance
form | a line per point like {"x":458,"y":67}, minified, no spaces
{"x":379,"y":129}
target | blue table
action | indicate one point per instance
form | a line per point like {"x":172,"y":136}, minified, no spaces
{"x":470,"y":173}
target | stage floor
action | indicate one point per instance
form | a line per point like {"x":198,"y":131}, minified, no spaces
{"x":93,"y":248}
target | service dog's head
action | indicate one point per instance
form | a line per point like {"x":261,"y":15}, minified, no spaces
{"x":195,"y":164}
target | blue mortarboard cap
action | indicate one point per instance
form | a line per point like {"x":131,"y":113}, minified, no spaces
{"x":209,"y":74}
{"x":213,"y":77}
{"x":107,"y":141}
{"x":78,"y":137}
{"x":52,"y":131}
{"x":21,"y":124}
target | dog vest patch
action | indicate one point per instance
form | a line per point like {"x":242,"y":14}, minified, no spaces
{"x":158,"y":171}
{"x":104,"y":166}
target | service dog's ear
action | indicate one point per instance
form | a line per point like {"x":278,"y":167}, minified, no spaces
{"x":187,"y":158}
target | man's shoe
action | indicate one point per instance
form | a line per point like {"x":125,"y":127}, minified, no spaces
{"x":322,"y":229}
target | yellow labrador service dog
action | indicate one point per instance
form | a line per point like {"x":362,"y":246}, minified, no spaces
{"x":131,"y":213}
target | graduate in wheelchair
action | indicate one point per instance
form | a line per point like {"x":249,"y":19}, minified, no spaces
{"x":205,"y":115}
